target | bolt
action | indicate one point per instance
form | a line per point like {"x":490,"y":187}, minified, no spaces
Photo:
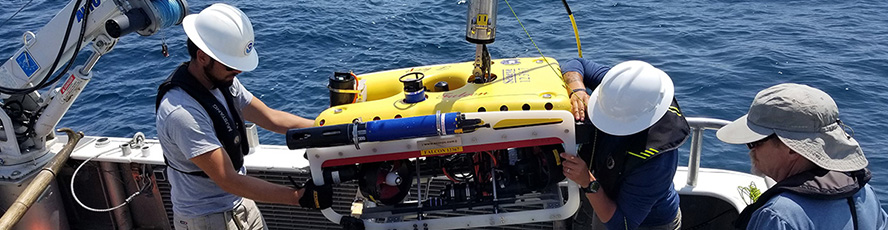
{"x":337,"y":110}
{"x":340,"y":153}
{"x":566,"y":130}
{"x":16,"y":173}
{"x":547,"y":95}
{"x":317,"y":156}
{"x":534,"y":133}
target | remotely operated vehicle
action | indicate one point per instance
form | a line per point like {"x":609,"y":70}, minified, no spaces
{"x":490,"y":131}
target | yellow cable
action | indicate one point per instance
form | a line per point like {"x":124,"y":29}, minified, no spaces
{"x":576,"y":34}
{"x":574,"y":23}
{"x":531,"y":40}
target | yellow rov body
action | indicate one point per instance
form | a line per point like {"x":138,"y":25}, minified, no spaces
{"x":520,"y":84}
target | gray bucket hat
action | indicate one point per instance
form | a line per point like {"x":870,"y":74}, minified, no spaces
{"x":806,"y":119}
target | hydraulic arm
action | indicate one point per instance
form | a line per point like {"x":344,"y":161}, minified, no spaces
{"x":29,"y":117}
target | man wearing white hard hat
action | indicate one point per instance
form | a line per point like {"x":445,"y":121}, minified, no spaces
{"x":201,"y":110}
{"x":637,"y":127}
{"x":794,"y":136}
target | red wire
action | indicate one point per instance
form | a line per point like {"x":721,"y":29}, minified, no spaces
{"x":492,"y":158}
{"x":355,"y":99}
{"x":448,"y":176}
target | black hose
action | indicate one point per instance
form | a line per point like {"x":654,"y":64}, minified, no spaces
{"x":566,"y":7}
{"x":43,"y":83}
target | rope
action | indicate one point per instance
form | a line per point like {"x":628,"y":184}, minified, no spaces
{"x":531,"y":40}
{"x":16,"y":13}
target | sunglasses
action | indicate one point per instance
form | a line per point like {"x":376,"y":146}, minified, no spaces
{"x":229,"y":69}
{"x":758,"y":143}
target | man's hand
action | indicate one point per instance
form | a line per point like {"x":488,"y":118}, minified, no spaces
{"x":576,"y":170}
{"x":578,"y":102}
{"x":578,"y":96}
{"x":316,"y":197}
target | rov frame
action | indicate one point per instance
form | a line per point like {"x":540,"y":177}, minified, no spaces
{"x":509,"y":129}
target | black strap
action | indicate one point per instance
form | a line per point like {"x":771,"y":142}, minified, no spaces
{"x":195,"y":173}
{"x":853,"y":211}
{"x":229,"y":126}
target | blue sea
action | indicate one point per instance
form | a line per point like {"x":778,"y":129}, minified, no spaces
{"x":719,"y":53}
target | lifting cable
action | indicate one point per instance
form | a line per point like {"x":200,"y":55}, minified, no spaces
{"x":531,"y":40}
{"x":16,"y":13}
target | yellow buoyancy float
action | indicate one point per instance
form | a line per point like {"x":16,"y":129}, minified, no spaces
{"x":520,"y":84}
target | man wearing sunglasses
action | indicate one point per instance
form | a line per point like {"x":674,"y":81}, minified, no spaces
{"x":201,"y":110}
{"x":795,"y":137}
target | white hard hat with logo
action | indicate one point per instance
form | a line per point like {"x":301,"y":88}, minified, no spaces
{"x":632,"y":97}
{"x":225,"y":33}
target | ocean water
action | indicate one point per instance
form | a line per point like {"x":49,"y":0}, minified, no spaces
{"x":719,"y":53}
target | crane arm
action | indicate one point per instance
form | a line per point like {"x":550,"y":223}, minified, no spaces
{"x":29,"y":118}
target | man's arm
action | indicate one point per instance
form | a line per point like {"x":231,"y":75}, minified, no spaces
{"x":580,"y":74}
{"x":272,"y":119}
{"x":578,"y":96}
{"x":217,"y":165}
{"x":640,"y":190}
{"x":575,"y":169}
{"x":191,"y":128}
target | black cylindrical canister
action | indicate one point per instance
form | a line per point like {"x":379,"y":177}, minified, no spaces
{"x":414,"y":91}
{"x":442,"y":86}
{"x":341,"y":88}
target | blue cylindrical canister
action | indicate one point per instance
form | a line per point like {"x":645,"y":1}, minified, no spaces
{"x":410,"y":127}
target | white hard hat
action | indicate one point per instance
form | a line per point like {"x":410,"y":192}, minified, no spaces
{"x":225,"y":33}
{"x":632,"y":97}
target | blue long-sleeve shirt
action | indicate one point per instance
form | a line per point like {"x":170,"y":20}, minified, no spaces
{"x":647,"y":195}
{"x":592,"y":72}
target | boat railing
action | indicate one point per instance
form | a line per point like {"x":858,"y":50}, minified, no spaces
{"x":698,"y":125}
{"x":38,"y":185}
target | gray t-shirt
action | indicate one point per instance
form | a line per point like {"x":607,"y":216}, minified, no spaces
{"x":186,"y":131}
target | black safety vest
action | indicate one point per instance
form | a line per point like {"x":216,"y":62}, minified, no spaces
{"x":818,"y":184}
{"x":614,"y":157}
{"x":230,"y":130}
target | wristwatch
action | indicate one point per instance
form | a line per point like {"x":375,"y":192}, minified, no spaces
{"x":592,"y":187}
{"x":575,"y":91}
